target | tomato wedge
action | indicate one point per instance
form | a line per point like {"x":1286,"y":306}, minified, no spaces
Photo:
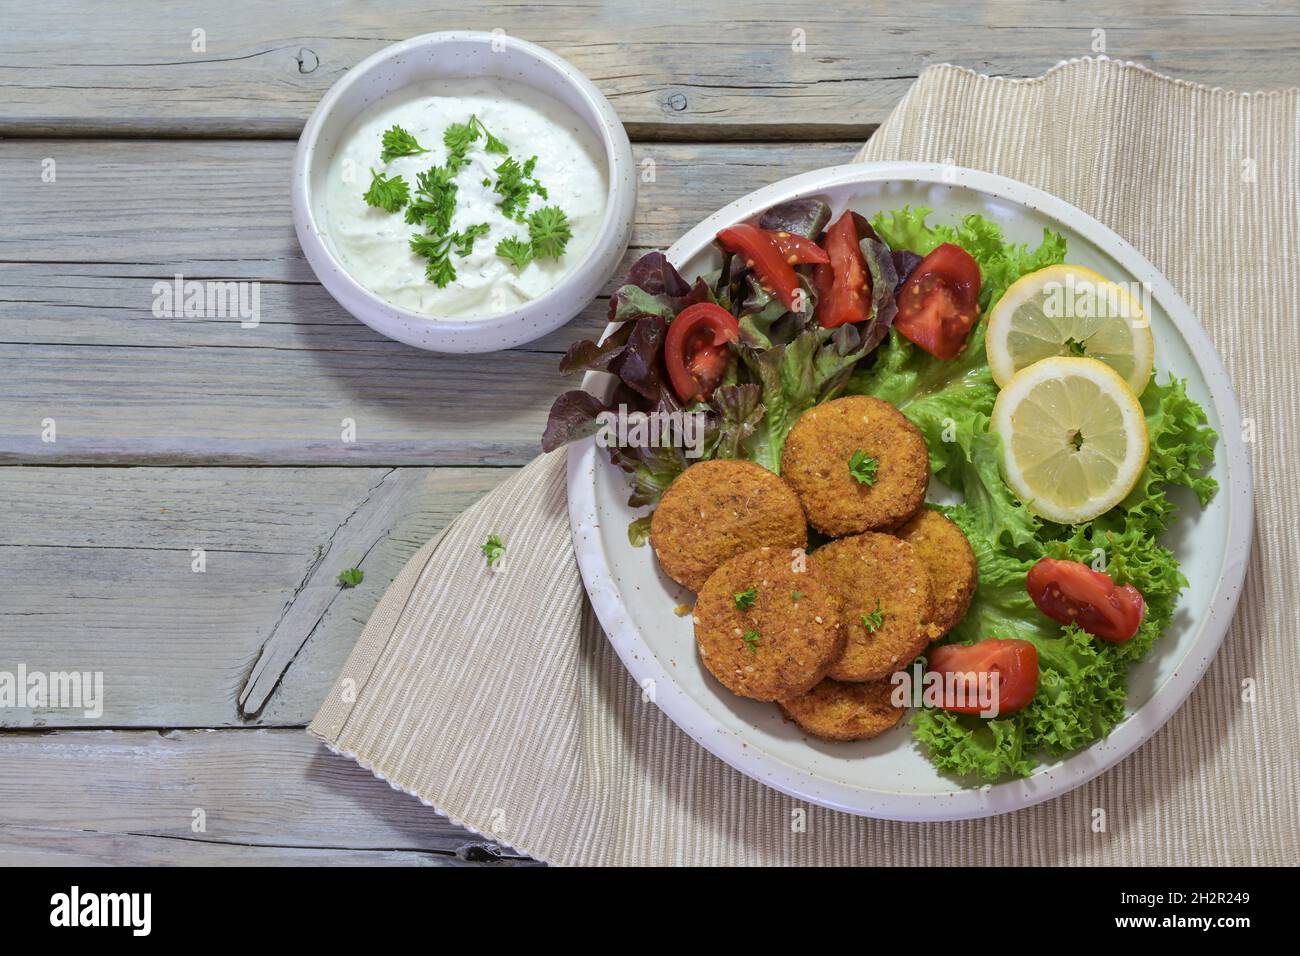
{"x":1072,"y":593}
{"x":848,"y":298}
{"x":939,"y":302}
{"x":695,"y":349}
{"x":762,"y":254}
{"x":1014,"y":662}
{"x":797,"y":250}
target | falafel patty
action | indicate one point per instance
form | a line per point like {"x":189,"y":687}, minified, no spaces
{"x":885,"y":590}
{"x":715,"y":510}
{"x":893,"y":471}
{"x":947,"y":555}
{"x":835,"y":710}
{"x":765,"y":630}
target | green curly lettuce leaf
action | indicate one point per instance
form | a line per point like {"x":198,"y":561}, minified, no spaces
{"x":1082,"y":689}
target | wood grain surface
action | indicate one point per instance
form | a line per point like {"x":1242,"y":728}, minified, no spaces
{"x":81,"y":345}
{"x":705,"y":70}
{"x":177,"y":439}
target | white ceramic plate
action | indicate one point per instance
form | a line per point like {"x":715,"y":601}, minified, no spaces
{"x":890,"y":776}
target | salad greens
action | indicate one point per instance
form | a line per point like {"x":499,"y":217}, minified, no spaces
{"x":785,"y":363}
{"x":1082,"y":686}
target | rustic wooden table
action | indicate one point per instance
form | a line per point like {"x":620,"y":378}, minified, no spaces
{"x":144,"y":141}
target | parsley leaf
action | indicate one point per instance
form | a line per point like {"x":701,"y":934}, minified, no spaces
{"x":875,"y":620}
{"x":751,"y":641}
{"x":862,"y":468}
{"x":516,"y":250}
{"x":458,"y":137}
{"x":795,"y":596}
{"x":492,"y":549}
{"x":515,"y":183}
{"x":744,"y":600}
{"x":439,"y":269}
{"x":435,"y":200}
{"x":548,"y":229}
{"x":398,"y":142}
{"x":438,"y":250}
{"x":387,"y":193}
{"x":464,"y":241}
{"x":351,"y":577}
{"x":492,"y":144}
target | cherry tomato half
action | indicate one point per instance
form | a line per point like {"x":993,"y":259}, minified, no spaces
{"x":939,"y":302}
{"x":696,"y":349}
{"x":1072,"y":593}
{"x":797,"y":250}
{"x":847,"y":298}
{"x":1015,"y":663}
{"x":761,"y":253}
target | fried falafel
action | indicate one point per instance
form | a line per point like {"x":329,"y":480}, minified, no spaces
{"x":857,"y":464}
{"x":766,"y":630}
{"x":837,"y":710}
{"x":887,"y":602}
{"x":715,"y":510}
{"x":947,"y":556}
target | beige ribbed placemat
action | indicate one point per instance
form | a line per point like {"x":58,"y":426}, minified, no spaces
{"x":496,"y":698}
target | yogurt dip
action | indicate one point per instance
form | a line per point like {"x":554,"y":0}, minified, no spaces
{"x":374,"y":245}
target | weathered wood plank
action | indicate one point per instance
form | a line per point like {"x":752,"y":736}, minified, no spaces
{"x":100,"y":570}
{"x":43,"y":846}
{"x":704,"y":70}
{"x":221,"y":209}
{"x":261,"y":796}
{"x":365,"y":528}
{"x":79,"y":258}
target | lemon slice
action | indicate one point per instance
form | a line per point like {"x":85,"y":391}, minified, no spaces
{"x":1069,"y":310}
{"x":1074,"y":439}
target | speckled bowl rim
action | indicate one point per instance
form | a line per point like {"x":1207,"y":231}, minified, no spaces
{"x":530,"y":321}
{"x":1073,"y":771}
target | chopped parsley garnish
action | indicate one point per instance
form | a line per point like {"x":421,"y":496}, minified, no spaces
{"x":516,"y":250}
{"x":873,"y":621}
{"x":387,"y":193}
{"x":492,"y":549}
{"x":398,"y":142}
{"x":795,"y":596}
{"x":862,"y":468}
{"x":464,"y":241}
{"x":351,"y":577}
{"x":515,"y":183}
{"x":434,"y":201}
{"x":745,"y":599}
{"x":437,"y":249}
{"x":458,"y":137}
{"x":751,"y":641}
{"x":431,"y":205}
{"x":549,"y":232}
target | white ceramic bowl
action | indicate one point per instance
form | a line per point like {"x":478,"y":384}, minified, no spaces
{"x":889,"y":776}
{"x":448,"y":55}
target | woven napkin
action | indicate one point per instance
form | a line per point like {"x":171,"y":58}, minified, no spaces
{"x":495,"y":698}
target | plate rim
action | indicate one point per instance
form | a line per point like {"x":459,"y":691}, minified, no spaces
{"x":974,"y":802}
